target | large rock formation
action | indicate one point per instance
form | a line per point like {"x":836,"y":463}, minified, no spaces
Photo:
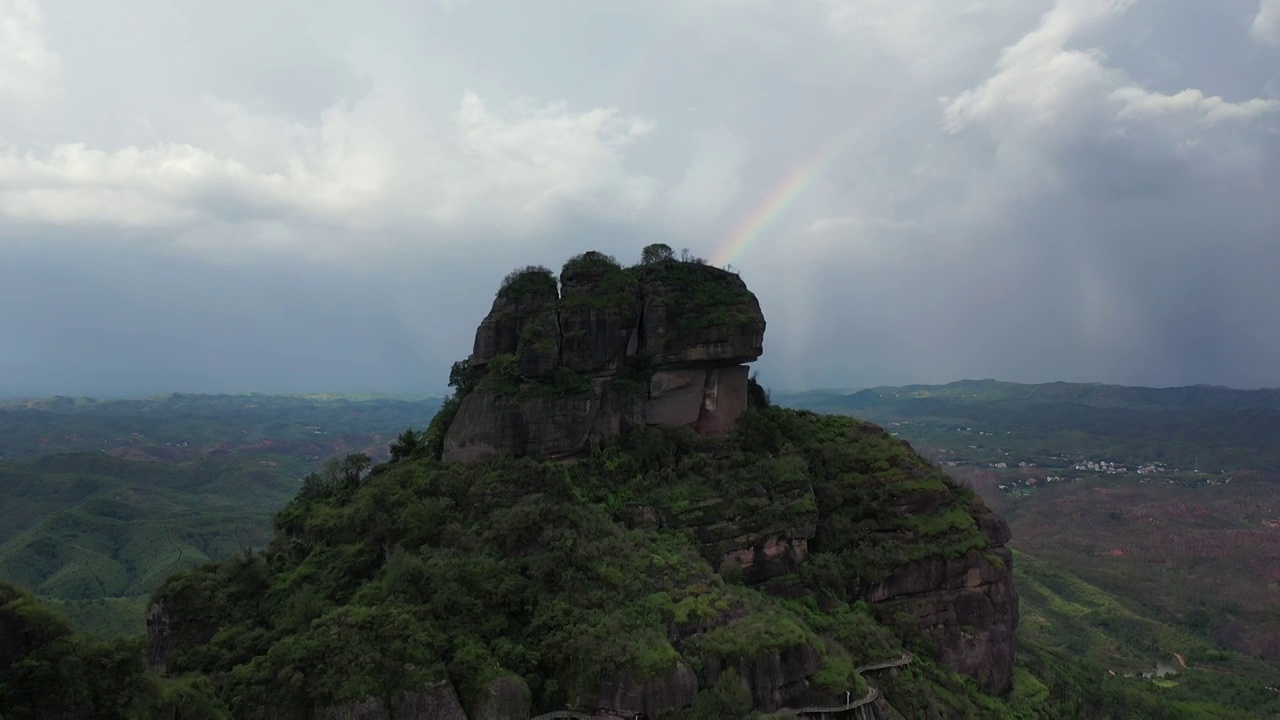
{"x":662,"y":343}
{"x":559,"y":365}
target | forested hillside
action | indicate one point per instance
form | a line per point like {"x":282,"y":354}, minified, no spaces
{"x":104,"y":499}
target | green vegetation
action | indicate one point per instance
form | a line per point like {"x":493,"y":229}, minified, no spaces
{"x":611,"y":285}
{"x":698,"y":296}
{"x":656,"y":253}
{"x":1088,"y":648}
{"x":1121,"y":570}
{"x":533,"y":280}
{"x":127,"y":525}
{"x":538,"y":347}
{"x":504,"y":378}
{"x":550,"y":571}
{"x":47,"y":670}
{"x":155,"y":486}
{"x":590,"y":262}
{"x":565,"y":573}
{"x":1214,"y":429}
{"x":247,"y":428}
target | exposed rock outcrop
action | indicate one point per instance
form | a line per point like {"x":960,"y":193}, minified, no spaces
{"x":768,"y":559}
{"x":437,"y":701}
{"x":160,"y":640}
{"x":662,"y":343}
{"x":777,"y":679}
{"x":967,"y":605}
{"x":623,"y":693}
{"x":505,"y":698}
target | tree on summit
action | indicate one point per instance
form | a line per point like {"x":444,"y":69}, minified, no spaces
{"x":463,"y":379}
{"x":656,"y":253}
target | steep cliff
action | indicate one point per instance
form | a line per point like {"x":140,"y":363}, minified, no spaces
{"x":662,"y":343}
{"x":966,"y":605}
{"x":702,"y":555}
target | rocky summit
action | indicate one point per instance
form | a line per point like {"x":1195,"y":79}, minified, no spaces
{"x":661,"y":343}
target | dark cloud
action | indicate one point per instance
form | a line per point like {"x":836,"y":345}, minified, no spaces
{"x":267,"y":200}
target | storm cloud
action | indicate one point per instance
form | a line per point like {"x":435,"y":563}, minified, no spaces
{"x":322,"y":196}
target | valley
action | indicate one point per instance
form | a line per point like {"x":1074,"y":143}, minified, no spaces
{"x":105,"y":499}
{"x":1166,"y":500}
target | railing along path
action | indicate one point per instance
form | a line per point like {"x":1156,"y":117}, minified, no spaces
{"x":853,"y":704}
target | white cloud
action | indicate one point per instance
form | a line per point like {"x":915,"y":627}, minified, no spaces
{"x":1039,"y":82}
{"x":1138,"y":103}
{"x":932,"y":39}
{"x":364,"y":165}
{"x":1042,"y":84}
{"x":29,"y":70}
{"x":132,"y":187}
{"x":1266,"y":24}
{"x":542,"y":158}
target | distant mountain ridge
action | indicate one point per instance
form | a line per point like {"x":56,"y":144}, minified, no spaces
{"x":1206,"y":427}
{"x":1101,"y":393}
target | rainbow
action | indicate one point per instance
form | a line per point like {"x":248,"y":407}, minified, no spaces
{"x":781,"y":197}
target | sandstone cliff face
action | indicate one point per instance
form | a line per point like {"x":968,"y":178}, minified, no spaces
{"x":662,"y":344}
{"x":777,"y":680}
{"x":547,"y":426}
{"x":525,"y":304}
{"x":774,"y":557}
{"x":967,"y":605}
{"x":622,"y":693}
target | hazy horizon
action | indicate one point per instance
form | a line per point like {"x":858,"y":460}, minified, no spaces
{"x":428,"y":394}
{"x":296,"y":197}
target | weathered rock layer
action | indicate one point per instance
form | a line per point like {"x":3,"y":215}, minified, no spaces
{"x":968,"y":605}
{"x":662,"y":343}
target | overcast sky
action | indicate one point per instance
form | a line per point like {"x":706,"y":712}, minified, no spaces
{"x":322,"y":196}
